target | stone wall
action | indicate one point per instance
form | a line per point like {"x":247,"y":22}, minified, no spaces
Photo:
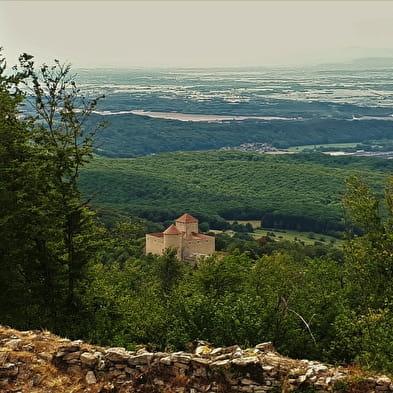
{"x":201,"y":244}
{"x":154,"y":244}
{"x":203,"y":369}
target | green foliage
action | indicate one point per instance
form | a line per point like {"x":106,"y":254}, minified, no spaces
{"x":19,"y":194}
{"x":169,"y":270}
{"x":122,"y":242}
{"x":365,"y":338}
{"x":362,"y":205}
{"x":302,"y":297}
{"x":369,"y":256}
{"x":301,"y":192}
{"x":124,"y":306}
{"x":154,"y":135}
{"x":217,"y":276}
{"x":48,"y":232}
{"x":363,"y":331}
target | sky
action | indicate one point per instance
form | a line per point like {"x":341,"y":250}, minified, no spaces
{"x":201,"y":33}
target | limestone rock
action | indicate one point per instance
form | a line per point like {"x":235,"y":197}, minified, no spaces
{"x":159,"y":355}
{"x":181,"y":357}
{"x":144,"y":358}
{"x":9,"y":370}
{"x":301,"y":378}
{"x":181,"y":366}
{"x":265,"y":347}
{"x":101,"y":365}
{"x":72,"y":356}
{"x":223,"y":357}
{"x":166,"y":360}
{"x":140,"y":351}
{"x":226,"y":350}
{"x":117,"y":355}
{"x":320,"y":368}
{"x":246,"y":361}
{"x":200,"y":362}
{"x":295,"y":371}
{"x":221,"y":363}
{"x":203,"y":350}
{"x":383,"y":380}
{"x":89,"y":359}
{"x":90,"y":378}
{"x":74,"y":369}
{"x":13,"y":344}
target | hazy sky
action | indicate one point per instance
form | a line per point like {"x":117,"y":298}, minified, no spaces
{"x":195,"y":33}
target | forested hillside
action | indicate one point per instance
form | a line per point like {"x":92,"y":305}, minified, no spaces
{"x":129,"y":135}
{"x":301,"y":191}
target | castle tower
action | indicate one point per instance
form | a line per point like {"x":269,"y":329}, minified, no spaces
{"x":187,"y":224}
{"x":173,"y":239}
{"x":184,"y":237}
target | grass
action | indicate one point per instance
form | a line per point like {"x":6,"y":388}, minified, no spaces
{"x":291,"y":235}
{"x":287,"y":234}
{"x":332,"y":146}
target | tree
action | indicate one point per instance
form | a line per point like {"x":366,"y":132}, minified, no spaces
{"x":170,"y":270}
{"x":18,"y":173}
{"x":49,"y":231}
{"x":216,"y":276}
{"x":364,"y":327}
{"x":369,"y":254}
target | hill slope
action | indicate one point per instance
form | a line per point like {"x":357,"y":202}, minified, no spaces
{"x":294,"y":191}
{"x":129,"y":135}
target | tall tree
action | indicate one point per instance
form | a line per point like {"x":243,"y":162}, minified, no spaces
{"x":16,"y":180}
{"x":369,"y":253}
{"x":50,"y":229}
{"x":363,"y":329}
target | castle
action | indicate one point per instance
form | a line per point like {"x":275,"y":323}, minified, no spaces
{"x":184,"y":237}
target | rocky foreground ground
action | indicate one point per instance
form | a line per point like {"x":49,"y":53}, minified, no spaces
{"x":40,"y":362}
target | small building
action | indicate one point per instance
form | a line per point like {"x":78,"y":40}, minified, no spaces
{"x":184,"y":236}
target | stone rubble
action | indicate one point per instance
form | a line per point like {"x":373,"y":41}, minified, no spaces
{"x":204,"y":370}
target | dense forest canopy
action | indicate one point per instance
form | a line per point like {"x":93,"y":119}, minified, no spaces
{"x":129,"y":135}
{"x":64,"y":271}
{"x":300,"y":191}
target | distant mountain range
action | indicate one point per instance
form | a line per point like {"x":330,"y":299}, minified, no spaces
{"x":359,"y":63}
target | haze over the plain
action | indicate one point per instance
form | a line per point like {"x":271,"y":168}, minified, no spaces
{"x":196,"y":33}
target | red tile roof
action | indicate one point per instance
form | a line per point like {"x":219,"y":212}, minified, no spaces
{"x":186,"y":218}
{"x":172,"y":230}
{"x":156,"y":234}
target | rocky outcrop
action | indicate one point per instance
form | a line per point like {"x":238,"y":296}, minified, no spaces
{"x":36,"y":362}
